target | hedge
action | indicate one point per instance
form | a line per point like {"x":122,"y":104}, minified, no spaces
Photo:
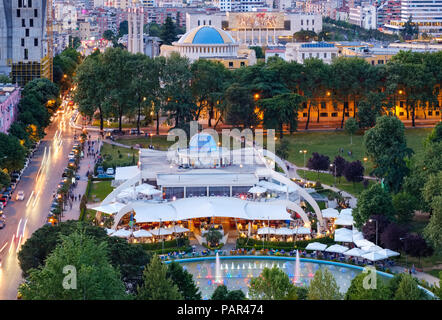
{"x":257,"y":244}
{"x":167,"y":245}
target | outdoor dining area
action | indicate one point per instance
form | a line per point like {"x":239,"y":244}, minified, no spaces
{"x":155,"y":234}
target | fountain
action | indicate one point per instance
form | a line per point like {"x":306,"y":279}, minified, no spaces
{"x":218,"y":277}
{"x":233,"y":267}
{"x":296,"y":279}
{"x":243,"y":266}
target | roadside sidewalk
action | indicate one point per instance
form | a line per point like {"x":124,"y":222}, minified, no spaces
{"x":86,"y":164}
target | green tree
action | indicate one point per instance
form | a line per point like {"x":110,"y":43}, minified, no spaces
{"x":12,"y":154}
{"x":184,"y":280}
{"x":356,"y":291}
{"x":323,"y":286}
{"x":436,"y":134}
{"x":305,"y":36}
{"x":5,"y":179}
{"x":410,"y":29}
{"x":432,"y":230}
{"x":240,"y":106}
{"x":370,"y":108}
{"x":108,"y":35}
{"x":282,"y":148}
{"x":156,"y":285}
{"x":5,"y":79}
{"x":404,"y":205}
{"x":372,"y":201}
{"x":96,"y":279}
{"x":168,"y":31}
{"x":222,"y":293}
{"x":258,"y":52}
{"x":351,"y":127}
{"x":272,"y":284}
{"x":123,"y":28}
{"x":408,"y":289}
{"x":386,"y":145}
{"x":213,"y":237}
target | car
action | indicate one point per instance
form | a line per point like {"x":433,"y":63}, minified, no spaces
{"x":20,"y":195}
{"x":110,"y":171}
{"x":135,"y":131}
{"x":2,"y":222}
{"x":71,"y":155}
{"x":100,"y":170}
{"x":117,"y":132}
{"x":4,"y":201}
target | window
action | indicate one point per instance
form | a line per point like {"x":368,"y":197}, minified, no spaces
{"x":304,"y":105}
{"x":230,"y":64}
{"x":437,"y":113}
{"x":199,"y":22}
{"x":325,"y":55}
{"x":23,"y":24}
{"x":347,"y":114}
{"x":334,"y":114}
{"x":304,"y":114}
{"x":26,"y":54}
{"x":20,"y":3}
{"x":35,"y":13}
{"x":323,"y":114}
{"x":35,"y":42}
{"x":317,"y":55}
{"x":346,"y":105}
{"x":303,"y":56}
{"x":31,"y":22}
{"x":372,"y":62}
{"x":210,"y":22}
{"x":302,"y":22}
{"x":430,"y":113}
{"x":242,"y":64}
{"x":22,"y":42}
{"x":323,"y":105}
{"x":401,"y":104}
{"x":313,"y":22}
{"x":401,"y":113}
{"x":307,"y":21}
{"x":380,"y":61}
{"x":204,"y":22}
{"x":18,"y":13}
{"x":29,"y":3}
{"x":27,"y":32}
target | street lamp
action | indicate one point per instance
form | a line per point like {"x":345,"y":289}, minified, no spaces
{"x":371,"y":220}
{"x":331,"y":166}
{"x":406,"y":256}
{"x":304,"y":152}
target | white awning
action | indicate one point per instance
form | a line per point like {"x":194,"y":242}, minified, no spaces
{"x":316,"y":246}
{"x":357,"y":235}
{"x":330,"y":213}
{"x":302,"y":230}
{"x":178,"y":229}
{"x":355,"y":252}
{"x":346,"y":212}
{"x":110,"y":208}
{"x":336,"y":248}
{"x":363,"y":243}
{"x":122,"y":233}
{"x":142,"y":234}
{"x":285,"y":231}
{"x":374,"y":256}
{"x":257,"y":190}
{"x":161,"y":231}
{"x":372,"y":248}
{"x":344,"y":221}
{"x":275,"y":187}
{"x":343,"y":235}
{"x":266,"y":230}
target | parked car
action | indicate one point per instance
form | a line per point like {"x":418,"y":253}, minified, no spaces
{"x":135,"y":131}
{"x":71,"y":155}
{"x":4,"y":201}
{"x":100,"y":170}
{"x":110,"y":171}
{"x":20,"y":195}
{"x":117,"y":132}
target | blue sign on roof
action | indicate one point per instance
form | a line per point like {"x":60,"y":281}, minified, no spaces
{"x":318,"y":45}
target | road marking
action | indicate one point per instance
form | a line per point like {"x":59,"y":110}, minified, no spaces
{"x":36,"y":198}
{"x":12,"y":243}
{"x":30,"y":197}
{"x":24,"y":227}
{"x":18,"y":244}
{"x":4,"y":246}
{"x":18,"y":226}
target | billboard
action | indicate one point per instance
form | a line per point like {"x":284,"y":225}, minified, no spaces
{"x":256,"y":20}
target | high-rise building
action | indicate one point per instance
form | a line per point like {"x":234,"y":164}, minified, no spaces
{"x":135,"y":19}
{"x":24,"y":51}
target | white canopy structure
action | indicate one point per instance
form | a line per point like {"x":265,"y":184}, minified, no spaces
{"x":178,"y":229}
{"x":344,"y":221}
{"x":357,"y":235}
{"x":122,"y":233}
{"x":285,"y":231}
{"x":372,"y":248}
{"x":266,"y":230}
{"x":302,"y":230}
{"x":330,"y":213}
{"x":257,"y":190}
{"x":336,"y":248}
{"x":151,"y":192}
{"x":109,"y":231}
{"x":346,"y":212}
{"x":363,"y":243}
{"x":275,"y":187}
{"x":142,"y":234}
{"x":374,"y":256}
{"x":161,"y":231}
{"x":343,"y":235}
{"x":204,"y":207}
{"x":110,"y":208}
{"x":389,"y":253}
{"x":355,"y":252}
{"x":316,"y":246}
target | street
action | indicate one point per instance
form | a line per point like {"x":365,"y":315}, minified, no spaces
{"x":39,"y":181}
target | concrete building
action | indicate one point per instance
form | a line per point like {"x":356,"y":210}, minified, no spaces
{"x":363,"y":16}
{"x":9,"y":99}
{"x":135,"y":26}
{"x":257,"y":28}
{"x":275,"y":52}
{"x":24,"y":52}
{"x":300,"y":51}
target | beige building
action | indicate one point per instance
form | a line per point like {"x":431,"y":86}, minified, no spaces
{"x":300,"y":51}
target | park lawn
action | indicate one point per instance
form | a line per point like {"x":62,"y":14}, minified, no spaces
{"x":328,"y":179}
{"x":329,"y":143}
{"x":99,"y":190}
{"x":120,"y":156}
{"x":423,"y":262}
{"x":159,"y":142}
{"x":434,"y":272}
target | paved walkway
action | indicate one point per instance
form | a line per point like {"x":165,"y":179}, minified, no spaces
{"x":418,"y":275}
{"x":86,"y":164}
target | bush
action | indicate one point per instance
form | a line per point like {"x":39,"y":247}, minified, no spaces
{"x":177,"y":245}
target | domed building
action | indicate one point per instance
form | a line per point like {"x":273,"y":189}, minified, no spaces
{"x":209,"y":42}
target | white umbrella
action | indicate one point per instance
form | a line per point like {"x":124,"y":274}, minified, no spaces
{"x":178,"y":229}
{"x":355,"y":252}
{"x":142,"y":234}
{"x":363,"y":243}
{"x":161,"y":231}
{"x":346,"y":212}
{"x":330,"y":213}
{"x":109,"y":231}
{"x":150,"y":192}
{"x":357,"y":235}
{"x":344,"y":221}
{"x":302,"y":230}
{"x":266,"y":230}
{"x":285,"y":231}
{"x":336,"y":248}
{"x":109,"y":208}
{"x":374,"y":256}
{"x":316,"y":246}
{"x":343,"y":235}
{"x":388,"y":252}
{"x":372,"y":248}
{"x":257,"y":189}
{"x":122,"y":233}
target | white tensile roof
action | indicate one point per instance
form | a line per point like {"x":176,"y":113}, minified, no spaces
{"x":346,"y":212}
{"x":125,"y":173}
{"x":388,"y":252}
{"x":372,"y":248}
{"x":374,"y":256}
{"x":142,"y":234}
{"x":355,"y":252}
{"x":330,"y":213}
{"x":161,"y":231}
{"x":110,"y":208}
{"x":343,"y":235}
{"x":285,"y":231}
{"x":266,"y":230}
{"x":344,"y":220}
{"x":363,"y":243}
{"x":257,"y":189}
{"x":302,"y":230}
{"x":122,"y":233}
{"x":204,"y":207}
